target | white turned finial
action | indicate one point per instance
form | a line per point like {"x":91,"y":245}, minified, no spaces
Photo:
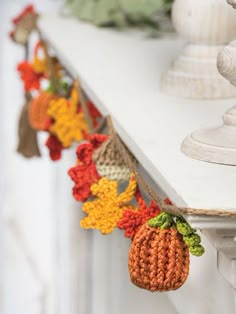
{"x":226,"y":62}
{"x":232,"y":2}
{"x":207,"y":25}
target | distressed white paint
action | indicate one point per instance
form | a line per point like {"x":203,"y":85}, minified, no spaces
{"x":206,"y":25}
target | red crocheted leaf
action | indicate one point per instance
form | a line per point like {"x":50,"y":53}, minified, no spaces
{"x":132,"y":220}
{"x":84,"y":153}
{"x":97,"y":139}
{"x":30,"y":78}
{"x":83,"y":176}
{"x":55,"y":147}
{"x":27,"y":10}
{"x":85,"y":173}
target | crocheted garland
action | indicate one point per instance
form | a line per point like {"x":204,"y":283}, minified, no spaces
{"x":161,"y":238}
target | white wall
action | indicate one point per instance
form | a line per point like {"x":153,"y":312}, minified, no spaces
{"x":48,"y":264}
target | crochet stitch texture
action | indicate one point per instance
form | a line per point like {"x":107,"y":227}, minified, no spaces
{"x":69,"y":125}
{"x":158,"y":259}
{"x":107,"y":209}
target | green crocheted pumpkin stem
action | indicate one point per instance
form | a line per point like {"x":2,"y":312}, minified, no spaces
{"x":163,"y":220}
{"x":190,"y":237}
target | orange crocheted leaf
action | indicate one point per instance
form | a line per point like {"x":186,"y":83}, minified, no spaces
{"x":85,"y":173}
{"x":133,"y":219}
{"x":69,"y":124}
{"x":30,"y":78}
{"x":107,"y":209}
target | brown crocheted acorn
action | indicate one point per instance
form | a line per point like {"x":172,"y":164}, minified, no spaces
{"x":158,"y":259}
{"x":110,"y":163}
{"x":38,"y":117}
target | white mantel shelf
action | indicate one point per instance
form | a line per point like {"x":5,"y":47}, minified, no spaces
{"x":121,"y":72}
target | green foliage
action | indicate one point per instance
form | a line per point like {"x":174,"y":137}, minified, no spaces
{"x":120,"y":12}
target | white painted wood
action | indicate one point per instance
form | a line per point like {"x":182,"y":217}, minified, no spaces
{"x":122,"y":78}
{"x":206,"y":25}
{"x":218,"y":144}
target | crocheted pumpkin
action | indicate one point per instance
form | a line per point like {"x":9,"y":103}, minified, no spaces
{"x":158,"y":259}
{"x":38,"y":116}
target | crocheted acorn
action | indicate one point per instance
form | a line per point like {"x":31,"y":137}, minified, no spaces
{"x":110,"y":163}
{"x":38,"y":116}
{"x":24,"y":24}
{"x":107,"y":208}
{"x":158,"y":258}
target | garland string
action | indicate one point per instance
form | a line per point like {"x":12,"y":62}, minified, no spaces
{"x":172,"y":209}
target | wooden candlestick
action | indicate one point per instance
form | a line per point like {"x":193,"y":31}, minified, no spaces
{"x":207,"y":25}
{"x":218,"y":145}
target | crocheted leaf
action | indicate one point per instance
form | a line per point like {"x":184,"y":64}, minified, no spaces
{"x":85,"y":173}
{"x":133,"y":219}
{"x":55,"y":147}
{"x":69,"y":125}
{"x":107,"y":209}
{"x":30,"y":78}
{"x":83,"y":176}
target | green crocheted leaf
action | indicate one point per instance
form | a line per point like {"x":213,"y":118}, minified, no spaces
{"x":197,"y":250}
{"x":164,"y":221}
{"x":192,"y":239}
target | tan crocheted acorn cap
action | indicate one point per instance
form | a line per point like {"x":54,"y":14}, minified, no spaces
{"x":110,"y":163}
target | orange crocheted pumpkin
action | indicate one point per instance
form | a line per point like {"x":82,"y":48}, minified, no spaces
{"x":158,"y":259}
{"x":38,"y":117}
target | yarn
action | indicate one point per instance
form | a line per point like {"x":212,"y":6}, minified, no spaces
{"x":55,"y":147}
{"x":30,"y":78}
{"x":94,"y":113}
{"x":190,"y":237}
{"x":158,"y":259}
{"x":132,"y":220}
{"x":107,"y":209}
{"x":29,"y":9}
{"x":109,"y":162}
{"x":85,"y":173}
{"x":193,"y":240}
{"x":27,"y":137}
{"x":84,"y":176}
{"x":23,"y":24}
{"x":69,"y":125}
{"x":38,"y":116}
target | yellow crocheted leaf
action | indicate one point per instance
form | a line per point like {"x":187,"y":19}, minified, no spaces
{"x":107,"y":209}
{"x":40,"y":65}
{"x":69,"y":125}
